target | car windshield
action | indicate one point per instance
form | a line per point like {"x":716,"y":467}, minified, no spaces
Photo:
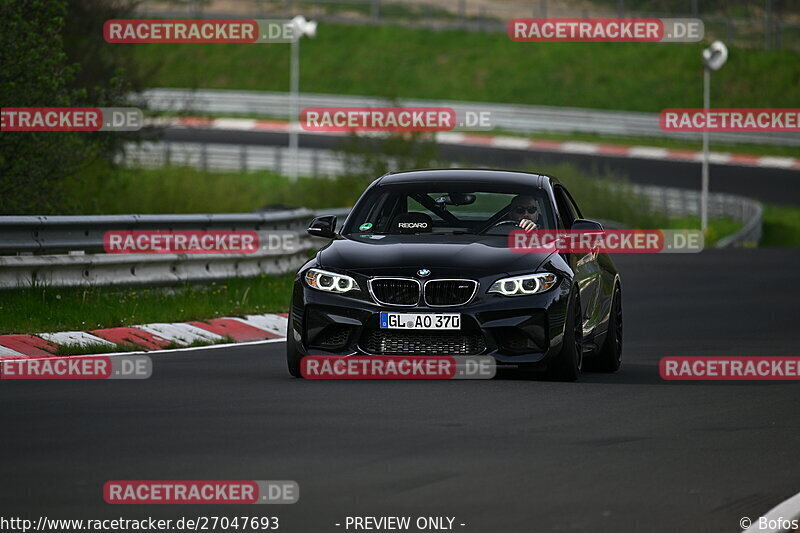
{"x":464,"y":208}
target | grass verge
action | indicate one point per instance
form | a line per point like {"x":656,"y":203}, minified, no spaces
{"x":781,"y":226}
{"x":46,"y":309}
{"x":178,"y":190}
{"x":393,"y":61}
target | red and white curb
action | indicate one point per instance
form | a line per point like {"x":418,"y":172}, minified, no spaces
{"x":512,"y":143}
{"x":149,"y":337}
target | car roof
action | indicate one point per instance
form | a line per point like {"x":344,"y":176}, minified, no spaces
{"x":464,"y":175}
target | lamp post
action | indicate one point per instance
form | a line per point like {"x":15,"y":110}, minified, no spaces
{"x":300,"y":27}
{"x":713,"y":58}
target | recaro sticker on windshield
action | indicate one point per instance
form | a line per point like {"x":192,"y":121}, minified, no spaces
{"x":365,"y":226}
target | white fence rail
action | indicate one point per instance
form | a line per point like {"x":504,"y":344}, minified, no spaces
{"x":218,"y":156}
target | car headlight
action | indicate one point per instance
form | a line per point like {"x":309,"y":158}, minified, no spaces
{"x":524,"y":285}
{"x":330,"y":281}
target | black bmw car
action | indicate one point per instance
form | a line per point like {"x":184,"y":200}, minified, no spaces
{"x":422,"y":266}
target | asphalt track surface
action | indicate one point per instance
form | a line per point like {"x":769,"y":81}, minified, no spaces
{"x":620,"y":452}
{"x":773,"y":185}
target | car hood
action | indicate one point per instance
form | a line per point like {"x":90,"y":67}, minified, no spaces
{"x":441,"y":254}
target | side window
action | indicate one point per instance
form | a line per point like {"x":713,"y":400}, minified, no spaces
{"x":565,"y":207}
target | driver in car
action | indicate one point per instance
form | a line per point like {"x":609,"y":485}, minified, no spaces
{"x":524,"y":212}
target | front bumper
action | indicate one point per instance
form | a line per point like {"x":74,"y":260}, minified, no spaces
{"x":518,"y":330}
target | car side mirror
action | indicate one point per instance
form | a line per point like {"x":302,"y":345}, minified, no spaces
{"x":324,"y":227}
{"x":581,"y":224}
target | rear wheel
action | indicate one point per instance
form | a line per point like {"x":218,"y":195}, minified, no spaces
{"x":610,"y":356}
{"x":566,"y":366}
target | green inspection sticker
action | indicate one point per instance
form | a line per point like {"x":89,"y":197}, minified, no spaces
{"x":365,"y":226}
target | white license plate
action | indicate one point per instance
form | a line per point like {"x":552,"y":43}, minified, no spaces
{"x":421,"y":321}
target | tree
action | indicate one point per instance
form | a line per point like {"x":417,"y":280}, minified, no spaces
{"x":35,"y":73}
{"x":53,"y":55}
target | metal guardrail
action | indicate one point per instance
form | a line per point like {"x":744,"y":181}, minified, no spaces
{"x":509,"y":117}
{"x":681,"y":202}
{"x":77,"y":235}
{"x":85,"y":233}
{"x":217,"y":156}
{"x":66,"y":243}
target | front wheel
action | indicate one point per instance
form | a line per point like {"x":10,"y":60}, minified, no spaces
{"x":293,"y":358}
{"x":610,"y":356}
{"x":566,"y":366}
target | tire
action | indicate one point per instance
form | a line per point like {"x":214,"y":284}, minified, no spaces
{"x":609,"y":358}
{"x":293,"y":359}
{"x":566,"y":366}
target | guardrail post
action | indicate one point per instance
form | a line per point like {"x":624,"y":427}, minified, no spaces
{"x":462,"y":12}
{"x":315,"y":163}
{"x":376,"y":9}
{"x":278,"y":163}
{"x":687,"y":200}
{"x":243,"y":158}
{"x":204,"y":157}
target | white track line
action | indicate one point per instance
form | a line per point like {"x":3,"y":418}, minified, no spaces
{"x":515,"y":143}
{"x":575,"y":147}
{"x":235,"y":124}
{"x":774,"y":161}
{"x":786,"y":511}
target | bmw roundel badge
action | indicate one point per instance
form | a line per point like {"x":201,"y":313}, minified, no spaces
{"x":423,"y":272}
